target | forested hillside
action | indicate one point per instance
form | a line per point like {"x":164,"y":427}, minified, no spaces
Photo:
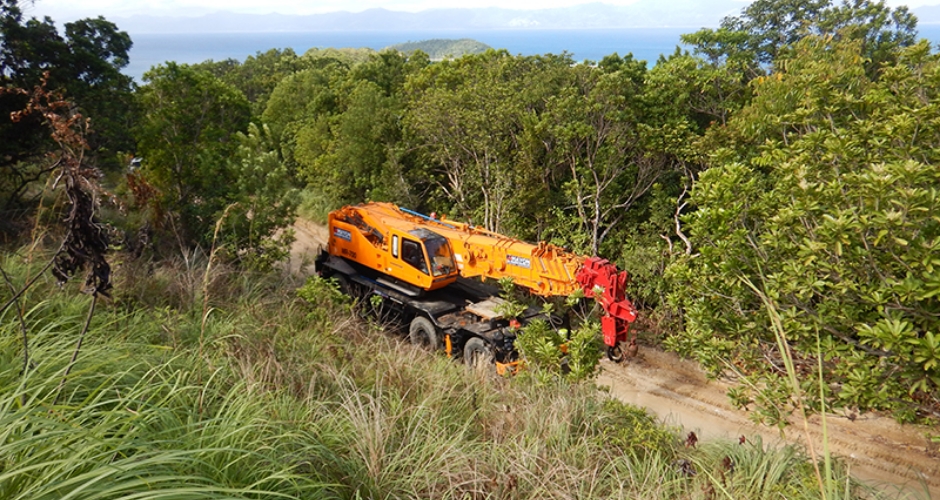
{"x":773,"y":193}
{"x":438,"y":49}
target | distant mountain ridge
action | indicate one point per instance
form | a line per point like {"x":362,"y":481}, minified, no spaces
{"x":644,"y":13}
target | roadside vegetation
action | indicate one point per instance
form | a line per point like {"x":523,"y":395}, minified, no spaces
{"x":772,"y":192}
{"x":279,"y":390}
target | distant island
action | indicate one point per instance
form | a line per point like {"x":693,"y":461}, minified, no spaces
{"x":440,"y":48}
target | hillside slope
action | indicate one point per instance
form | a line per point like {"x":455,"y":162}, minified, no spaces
{"x":879,"y":450}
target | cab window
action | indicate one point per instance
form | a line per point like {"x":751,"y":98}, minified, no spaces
{"x":413,"y":255}
{"x":442,"y":261}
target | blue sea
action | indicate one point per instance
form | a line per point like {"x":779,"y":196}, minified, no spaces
{"x":644,"y":43}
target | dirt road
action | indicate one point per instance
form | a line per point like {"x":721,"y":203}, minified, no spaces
{"x":879,"y":451}
{"x":310,"y":237}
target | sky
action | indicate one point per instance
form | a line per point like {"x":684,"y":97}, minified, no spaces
{"x":70,"y":10}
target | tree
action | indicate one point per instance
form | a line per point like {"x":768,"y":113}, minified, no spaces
{"x":300,"y":105}
{"x":767,"y":27}
{"x":355,"y":164}
{"x":340,"y":128}
{"x":599,"y":136}
{"x":186,"y":136}
{"x":258,"y":75}
{"x":97,"y":53}
{"x":475,"y":119}
{"x":85,"y":65}
{"x":821,"y":207}
{"x":263,"y":202}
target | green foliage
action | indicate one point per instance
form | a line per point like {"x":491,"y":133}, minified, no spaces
{"x":766,"y":29}
{"x":631,"y":430}
{"x":347,"y":56}
{"x":85,"y":63}
{"x":585,"y":349}
{"x":264,"y":202}
{"x":785,"y":472}
{"x":600,"y":141}
{"x":438,"y":49}
{"x":258,"y":75}
{"x":187,"y":136}
{"x":513,"y":305}
{"x":549,"y":352}
{"x":351,"y":166}
{"x":296,"y":106}
{"x":475,"y":119}
{"x":540,"y":148}
{"x":688,"y":94}
{"x":345,"y":138}
{"x":539,"y":345}
{"x":324,"y":297}
{"x":826,"y":204}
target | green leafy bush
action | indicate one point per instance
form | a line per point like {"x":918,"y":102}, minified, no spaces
{"x":548,"y":351}
{"x":828,"y":207}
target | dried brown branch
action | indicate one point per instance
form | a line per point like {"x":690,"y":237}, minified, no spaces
{"x":85,"y":244}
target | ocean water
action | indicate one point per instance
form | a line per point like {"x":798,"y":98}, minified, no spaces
{"x":644,"y":43}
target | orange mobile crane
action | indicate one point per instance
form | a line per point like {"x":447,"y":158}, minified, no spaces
{"x":422,"y":268}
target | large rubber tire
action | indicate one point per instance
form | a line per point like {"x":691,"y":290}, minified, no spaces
{"x":423,"y":333}
{"x":477,"y":354}
{"x":344,"y":285}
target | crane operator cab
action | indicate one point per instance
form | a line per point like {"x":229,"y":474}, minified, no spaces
{"x":417,"y":258}
{"x":425,"y":254}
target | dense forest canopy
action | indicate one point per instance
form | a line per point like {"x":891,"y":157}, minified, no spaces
{"x":783,"y":169}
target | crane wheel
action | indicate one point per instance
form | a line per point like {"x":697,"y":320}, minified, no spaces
{"x":477,"y":354}
{"x":423,"y":333}
{"x":344,"y":285}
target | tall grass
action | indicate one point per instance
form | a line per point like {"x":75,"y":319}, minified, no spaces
{"x":126,"y":429}
{"x":295,"y":397}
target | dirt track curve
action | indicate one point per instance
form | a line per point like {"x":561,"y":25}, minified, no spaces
{"x":880,"y":451}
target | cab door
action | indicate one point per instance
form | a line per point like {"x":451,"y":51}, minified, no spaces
{"x":414,"y":263}
{"x":408,"y":262}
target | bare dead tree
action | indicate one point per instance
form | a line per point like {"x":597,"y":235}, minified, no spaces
{"x":85,"y":244}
